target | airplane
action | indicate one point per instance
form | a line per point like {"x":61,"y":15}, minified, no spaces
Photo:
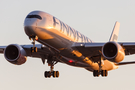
{"x":60,"y":43}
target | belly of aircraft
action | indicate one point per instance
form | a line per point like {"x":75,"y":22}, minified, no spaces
{"x":61,"y":44}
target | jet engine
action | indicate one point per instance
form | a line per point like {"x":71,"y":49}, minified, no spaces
{"x":113,"y":51}
{"x":15,"y":54}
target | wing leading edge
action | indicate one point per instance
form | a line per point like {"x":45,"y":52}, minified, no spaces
{"x":42,"y":50}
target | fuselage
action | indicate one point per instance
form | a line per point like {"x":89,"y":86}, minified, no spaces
{"x":60,"y":37}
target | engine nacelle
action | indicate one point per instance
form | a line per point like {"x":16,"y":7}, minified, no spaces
{"x":112,"y":51}
{"x":15,"y":54}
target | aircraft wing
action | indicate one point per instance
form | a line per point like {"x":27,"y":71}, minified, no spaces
{"x":129,"y":47}
{"x":94,"y":50}
{"x":2,"y":48}
{"x":89,"y":49}
{"x":41,"y":53}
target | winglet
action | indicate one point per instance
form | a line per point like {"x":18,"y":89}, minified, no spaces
{"x":115,"y":32}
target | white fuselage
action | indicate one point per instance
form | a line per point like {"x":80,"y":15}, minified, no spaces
{"x":60,"y":37}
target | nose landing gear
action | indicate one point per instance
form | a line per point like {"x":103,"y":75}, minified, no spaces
{"x":34,"y":38}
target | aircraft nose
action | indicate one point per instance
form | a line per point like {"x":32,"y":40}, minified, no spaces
{"x":30,"y":26}
{"x":29,"y":30}
{"x":30,"y":22}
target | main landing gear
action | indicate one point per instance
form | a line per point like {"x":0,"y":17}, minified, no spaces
{"x":101,"y":72}
{"x":34,"y":38}
{"x":51,"y":62}
{"x":50,"y":73}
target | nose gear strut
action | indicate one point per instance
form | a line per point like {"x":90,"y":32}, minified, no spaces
{"x":51,"y":60}
{"x":34,"y":38}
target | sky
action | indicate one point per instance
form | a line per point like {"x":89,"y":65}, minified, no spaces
{"x":93,"y":18}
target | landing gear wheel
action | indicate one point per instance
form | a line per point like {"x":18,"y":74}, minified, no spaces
{"x":46,"y":74}
{"x":104,"y":73}
{"x":33,"y":49}
{"x":54,"y":74}
{"x":49,"y":74}
{"x":96,"y":73}
{"x":57,"y":74}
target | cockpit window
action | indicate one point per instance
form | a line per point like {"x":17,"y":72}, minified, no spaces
{"x":34,"y":16}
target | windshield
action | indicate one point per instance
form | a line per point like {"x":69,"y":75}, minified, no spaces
{"x":34,"y":16}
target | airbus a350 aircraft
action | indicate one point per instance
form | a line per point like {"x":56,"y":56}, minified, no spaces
{"x":63,"y":44}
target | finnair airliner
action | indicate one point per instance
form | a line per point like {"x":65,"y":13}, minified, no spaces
{"x":60,"y":43}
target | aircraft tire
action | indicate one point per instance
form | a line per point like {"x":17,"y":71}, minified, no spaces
{"x":96,"y":73}
{"x":54,"y":74}
{"x":104,"y":73}
{"x":32,"y":49}
{"x":57,"y":74}
{"x":46,"y":74}
{"x":35,"y":49}
{"x":49,"y":74}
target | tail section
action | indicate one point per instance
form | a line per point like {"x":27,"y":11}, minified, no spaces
{"x":115,"y":32}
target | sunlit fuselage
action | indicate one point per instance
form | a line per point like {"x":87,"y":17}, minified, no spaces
{"x":59,"y":37}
